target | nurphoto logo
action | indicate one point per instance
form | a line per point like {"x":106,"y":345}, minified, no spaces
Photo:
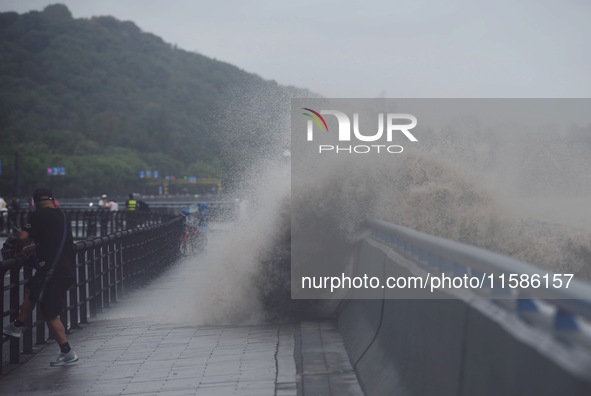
{"x":394,"y":128}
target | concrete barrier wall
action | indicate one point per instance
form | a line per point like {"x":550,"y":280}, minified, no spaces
{"x":452,"y":346}
{"x":366,"y":314}
{"x":505,"y":356}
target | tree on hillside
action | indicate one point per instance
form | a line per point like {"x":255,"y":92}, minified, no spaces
{"x":86,"y":88}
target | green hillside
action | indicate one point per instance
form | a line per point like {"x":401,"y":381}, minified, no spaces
{"x":106,"y":100}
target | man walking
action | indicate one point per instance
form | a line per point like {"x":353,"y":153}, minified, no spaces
{"x":49,"y":228}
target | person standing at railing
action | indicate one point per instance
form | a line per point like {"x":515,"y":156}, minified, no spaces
{"x":3,"y":213}
{"x":142,"y":208}
{"x":131,"y":203}
{"x":51,"y":231}
{"x":113,"y":206}
{"x":90,"y":219}
{"x":30,"y":204}
{"x":115,"y":217}
{"x":132,"y":207}
{"x":14,"y":213}
{"x":104,"y":208}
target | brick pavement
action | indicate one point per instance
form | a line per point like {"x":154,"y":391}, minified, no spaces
{"x":134,"y":357}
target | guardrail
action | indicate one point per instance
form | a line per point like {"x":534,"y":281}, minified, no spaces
{"x":84,"y":204}
{"x":89,"y":223}
{"x":106,"y":267}
{"x":12,"y":218}
{"x":573,"y":304}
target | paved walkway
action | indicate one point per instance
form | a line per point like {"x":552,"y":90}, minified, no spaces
{"x":140,"y":358}
{"x":322,"y":362}
{"x":125,"y":353}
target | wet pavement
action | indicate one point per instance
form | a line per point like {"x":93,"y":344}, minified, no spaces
{"x":131,"y":357}
{"x":129,"y":350}
{"x":140,"y":358}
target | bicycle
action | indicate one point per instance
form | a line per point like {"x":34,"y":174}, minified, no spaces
{"x":194,"y":236}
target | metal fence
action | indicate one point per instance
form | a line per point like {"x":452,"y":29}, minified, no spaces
{"x":106,"y":267}
{"x":9,"y":219}
{"x":89,"y":223}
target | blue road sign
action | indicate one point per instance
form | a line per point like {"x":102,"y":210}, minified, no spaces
{"x":56,"y":171}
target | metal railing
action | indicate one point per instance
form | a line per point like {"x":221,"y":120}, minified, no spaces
{"x":89,"y":223}
{"x":106,"y":267}
{"x":12,"y":218}
{"x":570,"y":306}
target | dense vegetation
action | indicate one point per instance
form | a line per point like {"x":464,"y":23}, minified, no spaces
{"x":106,"y":100}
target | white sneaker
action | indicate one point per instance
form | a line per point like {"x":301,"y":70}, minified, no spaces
{"x":12,"y":331}
{"x":65,"y":358}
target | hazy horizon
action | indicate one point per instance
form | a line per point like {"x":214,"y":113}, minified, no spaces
{"x":384,"y":49}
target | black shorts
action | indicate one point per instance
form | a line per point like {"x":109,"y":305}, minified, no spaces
{"x":52,"y":298}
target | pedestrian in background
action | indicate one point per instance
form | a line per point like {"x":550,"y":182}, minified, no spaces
{"x":103,"y":202}
{"x":115,"y":217}
{"x":14,"y":218}
{"x":132,"y":207}
{"x":103,"y":213}
{"x":3,"y":213}
{"x":113,"y":206}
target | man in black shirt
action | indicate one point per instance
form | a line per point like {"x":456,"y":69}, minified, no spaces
{"x":49,"y":228}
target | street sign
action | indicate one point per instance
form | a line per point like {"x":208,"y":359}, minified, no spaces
{"x":56,"y":171}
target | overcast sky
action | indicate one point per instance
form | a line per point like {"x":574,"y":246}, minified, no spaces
{"x":342,"y":48}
